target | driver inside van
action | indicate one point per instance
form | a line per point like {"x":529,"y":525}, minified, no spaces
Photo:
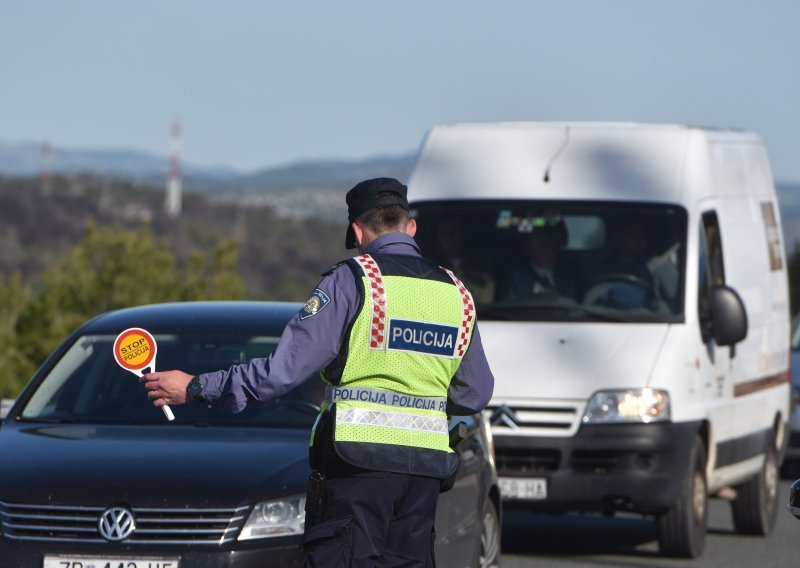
{"x":629,"y":259}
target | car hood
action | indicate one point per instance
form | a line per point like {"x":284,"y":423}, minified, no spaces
{"x":150,"y":466}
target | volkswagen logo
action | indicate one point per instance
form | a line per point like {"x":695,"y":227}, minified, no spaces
{"x":116,"y":524}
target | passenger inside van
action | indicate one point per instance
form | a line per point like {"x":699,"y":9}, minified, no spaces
{"x":469,"y":262}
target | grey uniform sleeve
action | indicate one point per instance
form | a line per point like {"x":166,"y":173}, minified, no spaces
{"x":473,"y":384}
{"x":308,"y":344}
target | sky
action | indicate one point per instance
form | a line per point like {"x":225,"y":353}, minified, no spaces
{"x":256,"y":84}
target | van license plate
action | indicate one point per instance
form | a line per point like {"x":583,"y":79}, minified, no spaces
{"x":108,"y":562}
{"x":529,"y":488}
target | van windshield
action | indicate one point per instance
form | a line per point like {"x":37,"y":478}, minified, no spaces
{"x":561,"y":260}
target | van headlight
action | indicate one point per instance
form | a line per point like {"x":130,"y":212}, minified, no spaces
{"x":634,"y":405}
{"x":281,"y":517}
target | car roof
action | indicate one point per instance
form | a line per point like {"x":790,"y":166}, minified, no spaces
{"x":263,"y":318}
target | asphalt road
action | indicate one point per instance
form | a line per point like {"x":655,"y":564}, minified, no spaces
{"x":575,"y":541}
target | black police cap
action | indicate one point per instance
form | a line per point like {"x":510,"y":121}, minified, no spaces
{"x":364,"y":196}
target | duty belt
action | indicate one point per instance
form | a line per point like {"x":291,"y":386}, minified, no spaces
{"x":385,"y":398}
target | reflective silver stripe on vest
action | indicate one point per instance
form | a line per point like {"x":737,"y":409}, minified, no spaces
{"x":384,"y":397}
{"x":397,"y":420}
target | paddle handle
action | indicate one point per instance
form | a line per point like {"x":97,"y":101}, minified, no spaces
{"x":168,"y":412}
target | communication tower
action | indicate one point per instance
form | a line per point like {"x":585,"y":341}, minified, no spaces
{"x":172,"y":201}
{"x":47,"y":154}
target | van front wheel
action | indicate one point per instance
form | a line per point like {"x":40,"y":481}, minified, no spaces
{"x":682,"y":529}
{"x":756,"y":505}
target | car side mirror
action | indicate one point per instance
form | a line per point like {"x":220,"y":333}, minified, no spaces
{"x":728,"y":316}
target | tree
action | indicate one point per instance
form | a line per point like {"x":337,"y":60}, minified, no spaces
{"x":111,"y":268}
{"x":15,"y":367}
{"x":216,"y":278}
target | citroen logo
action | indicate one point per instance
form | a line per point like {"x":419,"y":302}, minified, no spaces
{"x":504,"y":416}
{"x":116,"y":524}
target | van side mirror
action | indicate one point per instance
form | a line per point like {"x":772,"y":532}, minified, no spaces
{"x":728,"y":316}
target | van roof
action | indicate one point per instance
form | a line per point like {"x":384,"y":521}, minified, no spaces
{"x":574,"y":123}
{"x":564,"y":160}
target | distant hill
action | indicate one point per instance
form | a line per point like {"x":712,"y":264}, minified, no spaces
{"x":279,"y":257}
{"x":300,"y":189}
{"x":25,"y":160}
{"x":326,"y":173}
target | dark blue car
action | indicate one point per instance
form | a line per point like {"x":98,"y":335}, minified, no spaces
{"x":93,"y":475}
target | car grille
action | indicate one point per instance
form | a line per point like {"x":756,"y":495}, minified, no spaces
{"x":153,"y":525}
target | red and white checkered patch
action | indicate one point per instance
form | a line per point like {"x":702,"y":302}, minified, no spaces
{"x":467,"y":316}
{"x":377,"y":328}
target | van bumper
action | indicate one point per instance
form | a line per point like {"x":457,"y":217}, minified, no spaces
{"x":603,"y":468}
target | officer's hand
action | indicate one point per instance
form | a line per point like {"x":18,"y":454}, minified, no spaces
{"x":167,"y":387}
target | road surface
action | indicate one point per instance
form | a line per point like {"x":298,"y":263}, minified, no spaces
{"x":583,"y":541}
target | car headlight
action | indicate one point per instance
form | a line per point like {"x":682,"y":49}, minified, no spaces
{"x":634,"y":405}
{"x":281,"y":517}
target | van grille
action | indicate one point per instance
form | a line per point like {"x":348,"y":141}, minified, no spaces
{"x":542,"y":419}
{"x":594,"y":461}
{"x":153,"y":525}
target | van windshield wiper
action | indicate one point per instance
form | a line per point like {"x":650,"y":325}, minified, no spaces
{"x":517,"y":311}
{"x":495,"y":314}
{"x":603,"y":314}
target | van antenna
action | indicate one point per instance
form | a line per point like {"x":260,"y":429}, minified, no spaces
{"x":546,"y":178}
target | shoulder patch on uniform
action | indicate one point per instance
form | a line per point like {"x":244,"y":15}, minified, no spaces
{"x":315,"y":304}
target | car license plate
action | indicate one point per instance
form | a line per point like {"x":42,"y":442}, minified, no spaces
{"x":530,"y":488}
{"x":108,"y":562}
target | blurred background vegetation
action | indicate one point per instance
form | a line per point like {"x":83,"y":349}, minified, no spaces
{"x":84,"y":246}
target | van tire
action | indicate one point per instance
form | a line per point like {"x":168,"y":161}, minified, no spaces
{"x":755,"y":508}
{"x":682,"y":529}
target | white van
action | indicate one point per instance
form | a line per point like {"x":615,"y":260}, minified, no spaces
{"x":631,"y":288}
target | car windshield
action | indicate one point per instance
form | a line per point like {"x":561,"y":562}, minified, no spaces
{"x":561,"y":260}
{"x":88,"y":386}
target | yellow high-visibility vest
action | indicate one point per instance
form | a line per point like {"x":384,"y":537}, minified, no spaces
{"x":388,"y":389}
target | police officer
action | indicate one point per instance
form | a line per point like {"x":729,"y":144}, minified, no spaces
{"x":395,"y":339}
